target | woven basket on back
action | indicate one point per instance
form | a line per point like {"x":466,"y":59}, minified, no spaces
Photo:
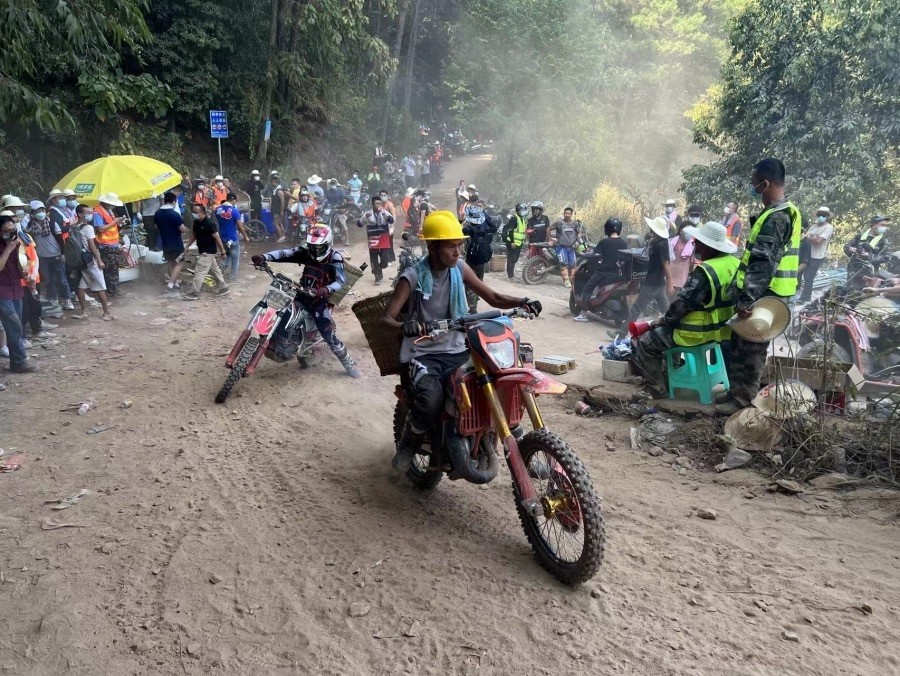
{"x":353,"y":275}
{"x":385,"y":346}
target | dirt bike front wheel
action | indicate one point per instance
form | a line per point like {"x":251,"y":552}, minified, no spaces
{"x":535,"y":270}
{"x":418,"y":474}
{"x":237,"y":370}
{"x":568,"y":537}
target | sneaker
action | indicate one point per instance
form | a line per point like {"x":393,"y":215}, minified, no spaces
{"x":190,"y":296}
{"x":93,"y":302}
{"x":223,"y":292}
{"x":581,"y":318}
{"x":48,"y":325}
{"x":44,"y":335}
{"x":67,"y":305}
{"x":280,"y":240}
{"x":28,"y":345}
{"x":4,"y":352}
{"x":24,"y":367}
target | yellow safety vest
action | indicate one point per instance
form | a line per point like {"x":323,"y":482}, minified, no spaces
{"x":518,"y":235}
{"x":865,"y":238}
{"x":784,"y":281}
{"x":709,"y":324}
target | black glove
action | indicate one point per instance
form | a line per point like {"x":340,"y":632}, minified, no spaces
{"x":258,"y":259}
{"x":413,"y":329}
{"x":532,"y":306}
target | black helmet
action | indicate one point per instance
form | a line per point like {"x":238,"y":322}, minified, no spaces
{"x":521,"y":207}
{"x":613,"y":225}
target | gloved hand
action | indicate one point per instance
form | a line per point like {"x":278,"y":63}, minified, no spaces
{"x":322,"y":292}
{"x":258,"y":259}
{"x":532,"y":306}
{"x":413,"y":329}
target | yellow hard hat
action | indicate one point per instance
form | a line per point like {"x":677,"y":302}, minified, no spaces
{"x":440,"y":225}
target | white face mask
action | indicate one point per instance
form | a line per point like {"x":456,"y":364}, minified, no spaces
{"x":882,"y":229}
{"x":694,"y":220}
{"x":727,"y":211}
{"x":669,"y":210}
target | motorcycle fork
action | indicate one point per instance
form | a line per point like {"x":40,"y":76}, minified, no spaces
{"x":510,"y":445}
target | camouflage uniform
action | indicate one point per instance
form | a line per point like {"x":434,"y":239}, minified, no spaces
{"x":748,"y":359}
{"x":650,"y":348}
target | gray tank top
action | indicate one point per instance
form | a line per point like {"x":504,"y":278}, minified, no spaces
{"x":436,"y":307}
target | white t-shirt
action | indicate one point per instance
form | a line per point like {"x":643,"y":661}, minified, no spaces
{"x":819,"y":251}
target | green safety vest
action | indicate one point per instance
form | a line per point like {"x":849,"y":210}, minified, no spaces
{"x":518,"y":235}
{"x":784,"y":281}
{"x":865,"y":238}
{"x":709,"y":324}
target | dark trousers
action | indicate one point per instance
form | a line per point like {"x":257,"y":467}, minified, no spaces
{"x":745,"y":368}
{"x":427,"y":378}
{"x":31,"y":312}
{"x":808,"y":275}
{"x":152,"y":233}
{"x":647,"y":296}
{"x":321,"y":313}
{"x":426,"y":181}
{"x":410,"y":181}
{"x":471,"y":296}
{"x":378,"y":258}
{"x":512,"y":257}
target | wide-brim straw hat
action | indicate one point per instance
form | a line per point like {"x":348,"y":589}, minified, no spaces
{"x":659,"y":226}
{"x":713,"y":235}
{"x":110,"y":198}
{"x":771,"y":317}
{"x":315,"y":179}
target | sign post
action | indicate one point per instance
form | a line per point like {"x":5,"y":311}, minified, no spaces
{"x":218,"y":129}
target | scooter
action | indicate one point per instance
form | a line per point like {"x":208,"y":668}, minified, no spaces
{"x":486,"y":402}
{"x":609,"y":302}
{"x":279,"y":313}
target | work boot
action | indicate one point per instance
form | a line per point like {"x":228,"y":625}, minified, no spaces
{"x":350,"y":366}
{"x":409,"y":446}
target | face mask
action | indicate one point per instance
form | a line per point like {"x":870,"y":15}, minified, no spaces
{"x":694,"y":220}
{"x":669,"y":210}
{"x":20,"y":212}
{"x":201,"y":187}
{"x":751,"y":190}
{"x":9,"y":236}
{"x":882,"y":229}
{"x":355,"y":175}
{"x":197,"y":216}
{"x":88,"y":216}
{"x":821,"y":219}
{"x":523,"y":212}
{"x":727,"y":211}
{"x":71,"y":204}
{"x":39,"y":215}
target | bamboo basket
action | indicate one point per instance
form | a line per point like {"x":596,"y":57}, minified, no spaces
{"x":385,"y":347}
{"x":353,"y":275}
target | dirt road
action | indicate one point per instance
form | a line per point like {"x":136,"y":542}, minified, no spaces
{"x":237,"y":538}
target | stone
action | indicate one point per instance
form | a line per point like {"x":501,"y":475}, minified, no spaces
{"x":215,"y":579}
{"x":142,"y":646}
{"x":749,"y":612}
{"x":789,"y":635}
{"x":733,"y":459}
{"x":832,"y":481}
{"x":839,"y":457}
{"x":655,"y":451}
{"x":706,"y":513}
{"x":693,"y":602}
{"x":682,"y":471}
{"x":610,"y":447}
{"x":789,"y":486}
{"x":359,"y":609}
{"x":683,"y":461}
{"x":108,"y":547}
{"x":193,"y":649}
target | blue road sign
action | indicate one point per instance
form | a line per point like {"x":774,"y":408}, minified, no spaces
{"x":218,"y":123}
{"x":268,"y":129}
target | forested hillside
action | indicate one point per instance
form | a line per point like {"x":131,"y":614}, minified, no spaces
{"x":575,"y":94}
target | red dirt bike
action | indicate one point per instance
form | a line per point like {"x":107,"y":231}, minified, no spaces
{"x":488,"y":397}
{"x":277,"y":312}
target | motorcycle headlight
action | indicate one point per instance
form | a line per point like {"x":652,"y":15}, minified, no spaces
{"x":503,"y":353}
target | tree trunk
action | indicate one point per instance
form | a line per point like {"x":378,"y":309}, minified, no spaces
{"x":271,"y":74}
{"x":411,"y":58}
{"x":392,"y":81}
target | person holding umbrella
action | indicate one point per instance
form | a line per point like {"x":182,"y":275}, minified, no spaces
{"x":106,"y":228}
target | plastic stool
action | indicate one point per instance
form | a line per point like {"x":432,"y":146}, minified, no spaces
{"x":702,"y":369}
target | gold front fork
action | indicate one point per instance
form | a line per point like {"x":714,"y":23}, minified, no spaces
{"x":537,"y":422}
{"x":490,"y":393}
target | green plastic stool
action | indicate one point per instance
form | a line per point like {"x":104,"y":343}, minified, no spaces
{"x":702,"y":368}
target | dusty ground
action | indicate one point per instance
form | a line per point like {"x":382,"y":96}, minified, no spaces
{"x":234,"y":538}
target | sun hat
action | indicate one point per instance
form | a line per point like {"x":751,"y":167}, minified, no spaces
{"x":110,"y":198}
{"x":11,"y":201}
{"x":69,"y":192}
{"x":7,"y":212}
{"x":659,"y":226}
{"x":56,"y":192}
{"x":785,"y":399}
{"x":255,"y":172}
{"x":274,"y":172}
{"x":712,"y":234}
{"x":670,"y":203}
{"x":753,"y":430}
{"x":771,"y":317}
{"x":823,"y":210}
{"x":315,"y":179}
{"x":440,"y":225}
{"x":219,"y":177}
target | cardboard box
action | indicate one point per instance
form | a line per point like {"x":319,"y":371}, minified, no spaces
{"x":497,"y":263}
{"x":617,"y":371}
{"x":837,"y":377}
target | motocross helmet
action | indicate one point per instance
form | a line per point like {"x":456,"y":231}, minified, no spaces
{"x":522,"y":209}
{"x":318,"y":242}
{"x":612,"y":225}
{"x":537,"y":207}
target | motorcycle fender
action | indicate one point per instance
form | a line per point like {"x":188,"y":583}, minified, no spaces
{"x":534,"y":381}
{"x":264,"y":322}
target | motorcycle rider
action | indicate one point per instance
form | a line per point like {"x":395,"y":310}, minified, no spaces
{"x":565,"y":235}
{"x":867,"y":246}
{"x":334,"y":194}
{"x":478,"y":226}
{"x":514,"y":237}
{"x":538,"y":224}
{"x":606,"y":271}
{"x":323,"y":273}
{"x":435,"y":288}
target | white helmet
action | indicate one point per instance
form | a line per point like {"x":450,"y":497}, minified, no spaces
{"x":537,"y":204}
{"x":318,"y":242}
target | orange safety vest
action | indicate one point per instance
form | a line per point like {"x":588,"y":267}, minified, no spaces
{"x":219,"y":194}
{"x":110,"y":236}
{"x":33,"y":269}
{"x":201,"y":197}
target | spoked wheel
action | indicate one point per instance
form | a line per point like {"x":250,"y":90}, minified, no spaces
{"x":256,"y":230}
{"x":237,"y":370}
{"x":418,"y":475}
{"x":535,"y":270}
{"x":568,"y":538}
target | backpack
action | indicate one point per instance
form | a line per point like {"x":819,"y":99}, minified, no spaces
{"x":76,"y":252}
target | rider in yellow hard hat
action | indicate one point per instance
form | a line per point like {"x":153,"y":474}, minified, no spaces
{"x":433,"y":289}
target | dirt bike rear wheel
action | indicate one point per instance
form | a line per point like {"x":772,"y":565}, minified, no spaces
{"x":237,"y":371}
{"x":535,"y":270}
{"x":256,"y":230}
{"x":313,"y":358}
{"x":568,"y":539}
{"x":418,"y":474}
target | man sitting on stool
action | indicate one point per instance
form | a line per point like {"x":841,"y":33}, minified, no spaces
{"x":699,"y":311}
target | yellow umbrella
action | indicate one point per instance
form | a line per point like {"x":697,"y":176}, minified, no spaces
{"x":131,"y":177}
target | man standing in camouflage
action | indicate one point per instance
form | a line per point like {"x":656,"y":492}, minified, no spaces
{"x":769,"y":267}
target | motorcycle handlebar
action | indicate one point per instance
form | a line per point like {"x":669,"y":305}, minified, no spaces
{"x":264,"y":266}
{"x":439,"y":326}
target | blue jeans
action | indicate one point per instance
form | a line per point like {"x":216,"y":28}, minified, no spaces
{"x":234,"y":259}
{"x":10,"y":311}
{"x":566,"y":256}
{"x":53,"y":278}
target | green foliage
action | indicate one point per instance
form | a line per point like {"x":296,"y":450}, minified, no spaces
{"x":815,"y":83}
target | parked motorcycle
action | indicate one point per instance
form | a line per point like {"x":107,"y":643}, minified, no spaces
{"x":486,"y":402}
{"x":543,"y":261}
{"x":609,"y":302}
{"x":279,"y":328}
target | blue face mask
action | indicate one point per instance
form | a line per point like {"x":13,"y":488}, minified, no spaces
{"x":71,"y":203}
{"x":821,"y":219}
{"x":40,"y":215}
